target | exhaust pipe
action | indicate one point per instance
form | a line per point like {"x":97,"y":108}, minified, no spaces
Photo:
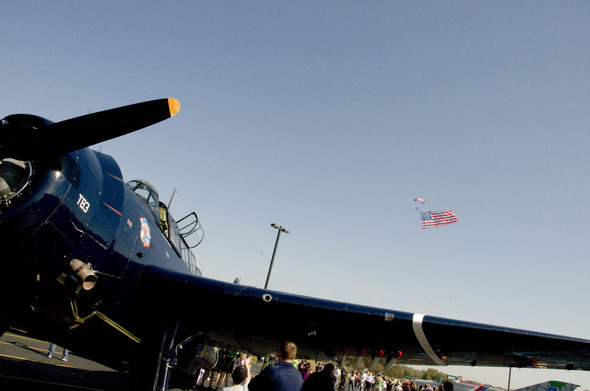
{"x":83,"y":273}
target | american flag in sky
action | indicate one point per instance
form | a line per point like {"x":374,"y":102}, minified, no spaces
{"x":434,"y":219}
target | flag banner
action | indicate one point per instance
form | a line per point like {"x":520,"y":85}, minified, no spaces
{"x":434,"y":219}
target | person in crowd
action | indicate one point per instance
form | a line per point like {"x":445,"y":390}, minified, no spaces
{"x":269,"y":361}
{"x":370,"y":381}
{"x":226,"y":366}
{"x":239,"y":361}
{"x":352,"y":381}
{"x":51,"y":352}
{"x":364,"y":377}
{"x":281,"y":377}
{"x":378,"y":386}
{"x":240,"y":376}
{"x":337,"y":373}
{"x":305,"y":371}
{"x":301,"y":365}
{"x":320,"y":381}
{"x":341,"y":383}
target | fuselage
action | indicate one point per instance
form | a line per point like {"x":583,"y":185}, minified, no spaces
{"x":76,"y":206}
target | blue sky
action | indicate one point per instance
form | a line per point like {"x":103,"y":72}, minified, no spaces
{"x":329,"y":118}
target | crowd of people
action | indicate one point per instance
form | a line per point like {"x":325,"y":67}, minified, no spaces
{"x":368,"y":381}
{"x":285,"y":373}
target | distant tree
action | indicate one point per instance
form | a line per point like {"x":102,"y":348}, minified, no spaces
{"x":401,"y":371}
{"x":433,"y":374}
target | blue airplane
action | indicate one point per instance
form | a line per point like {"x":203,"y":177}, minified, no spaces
{"x":100,"y":267}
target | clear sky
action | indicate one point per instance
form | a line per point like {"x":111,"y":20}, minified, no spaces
{"x":329,"y":118}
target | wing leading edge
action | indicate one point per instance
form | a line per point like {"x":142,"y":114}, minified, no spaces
{"x":257,"y":320}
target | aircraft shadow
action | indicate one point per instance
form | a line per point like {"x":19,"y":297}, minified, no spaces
{"x":28,"y":348}
{"x":30,"y":375}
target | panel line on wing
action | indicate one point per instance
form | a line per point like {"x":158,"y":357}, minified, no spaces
{"x":419,"y":332}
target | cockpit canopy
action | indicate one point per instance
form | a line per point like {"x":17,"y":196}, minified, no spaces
{"x":177,"y":236}
{"x":148,"y":194}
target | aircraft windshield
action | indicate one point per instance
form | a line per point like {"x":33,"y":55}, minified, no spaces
{"x":148,"y":194}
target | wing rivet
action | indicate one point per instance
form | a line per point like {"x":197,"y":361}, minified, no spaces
{"x":267,"y":298}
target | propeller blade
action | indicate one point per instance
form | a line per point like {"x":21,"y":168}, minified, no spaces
{"x":87,"y":130}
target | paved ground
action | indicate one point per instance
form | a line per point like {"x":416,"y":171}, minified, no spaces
{"x":24,"y":365}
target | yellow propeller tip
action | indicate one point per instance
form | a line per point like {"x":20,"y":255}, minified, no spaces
{"x":174,"y":106}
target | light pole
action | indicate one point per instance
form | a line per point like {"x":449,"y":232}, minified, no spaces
{"x":272,"y":260}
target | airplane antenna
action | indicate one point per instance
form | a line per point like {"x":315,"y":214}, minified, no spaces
{"x":171,"y":197}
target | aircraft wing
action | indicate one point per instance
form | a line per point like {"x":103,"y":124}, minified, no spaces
{"x":551,"y":385}
{"x":255,"y":320}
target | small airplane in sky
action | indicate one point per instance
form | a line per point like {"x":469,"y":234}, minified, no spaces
{"x":101,"y":267}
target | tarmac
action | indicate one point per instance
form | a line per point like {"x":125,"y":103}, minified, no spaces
{"x":24,"y":365}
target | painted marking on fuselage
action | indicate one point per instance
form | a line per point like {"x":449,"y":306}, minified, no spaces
{"x":116,"y":177}
{"x":83,"y":203}
{"x":419,"y":332}
{"x":113,"y":209}
{"x":145,"y":232}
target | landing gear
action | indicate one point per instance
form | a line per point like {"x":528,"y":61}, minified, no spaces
{"x":152,"y":371}
{"x":167,"y":359}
